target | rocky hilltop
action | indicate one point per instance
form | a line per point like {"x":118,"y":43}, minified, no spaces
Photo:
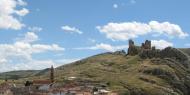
{"x":146,"y":51}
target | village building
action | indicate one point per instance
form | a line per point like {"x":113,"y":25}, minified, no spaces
{"x":5,"y":89}
{"x":73,"y":86}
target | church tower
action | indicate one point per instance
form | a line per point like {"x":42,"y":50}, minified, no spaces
{"x":52,"y":74}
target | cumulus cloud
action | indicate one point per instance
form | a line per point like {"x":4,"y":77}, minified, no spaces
{"x":161,"y":44}
{"x":124,"y":31}
{"x":129,"y":30}
{"x":167,"y":28}
{"x":103,"y":46}
{"x":9,"y":13}
{"x":24,"y":48}
{"x":19,"y":55}
{"x":71,"y":29}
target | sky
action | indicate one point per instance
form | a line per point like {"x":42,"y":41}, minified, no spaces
{"x":35,"y":34}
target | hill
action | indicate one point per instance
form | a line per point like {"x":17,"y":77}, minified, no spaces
{"x":18,"y":74}
{"x":131,"y":74}
{"x":148,"y":71}
{"x":186,"y":50}
{"x":142,"y":71}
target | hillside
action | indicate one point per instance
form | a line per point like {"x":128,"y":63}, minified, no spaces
{"x":131,"y":74}
{"x":186,"y":50}
{"x":18,"y":74}
{"x":145,"y":72}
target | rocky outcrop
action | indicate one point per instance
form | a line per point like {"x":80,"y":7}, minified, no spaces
{"x":146,"y":51}
{"x":168,"y":52}
{"x":174,"y":53}
{"x":121,"y":52}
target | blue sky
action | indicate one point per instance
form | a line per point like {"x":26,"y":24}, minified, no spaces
{"x":35,"y":34}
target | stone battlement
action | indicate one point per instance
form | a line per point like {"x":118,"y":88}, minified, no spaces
{"x":134,"y":50}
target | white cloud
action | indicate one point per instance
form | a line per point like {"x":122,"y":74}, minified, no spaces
{"x":22,"y":12}
{"x":19,"y":55}
{"x":161,"y":44}
{"x":21,"y":3}
{"x":30,"y":37}
{"x":167,"y":28}
{"x":103,"y":46}
{"x":36,"y":64}
{"x":129,"y":30}
{"x":71,"y":29}
{"x":24,"y":49}
{"x":8,"y":22}
{"x":30,"y":65}
{"x":8,"y":11}
{"x":115,"y":6}
{"x":124,"y":31}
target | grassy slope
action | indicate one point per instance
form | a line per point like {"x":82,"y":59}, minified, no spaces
{"x":125,"y":73}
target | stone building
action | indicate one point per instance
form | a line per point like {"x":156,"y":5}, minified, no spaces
{"x":132,"y":50}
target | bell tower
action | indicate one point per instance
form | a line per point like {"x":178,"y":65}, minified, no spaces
{"x":52,"y":74}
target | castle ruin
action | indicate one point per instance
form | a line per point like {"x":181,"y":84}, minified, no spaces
{"x":146,"y":45}
{"x":134,"y":50}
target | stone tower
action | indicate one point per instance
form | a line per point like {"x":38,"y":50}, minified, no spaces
{"x":131,"y":43}
{"x":52,"y":74}
{"x":132,"y":50}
